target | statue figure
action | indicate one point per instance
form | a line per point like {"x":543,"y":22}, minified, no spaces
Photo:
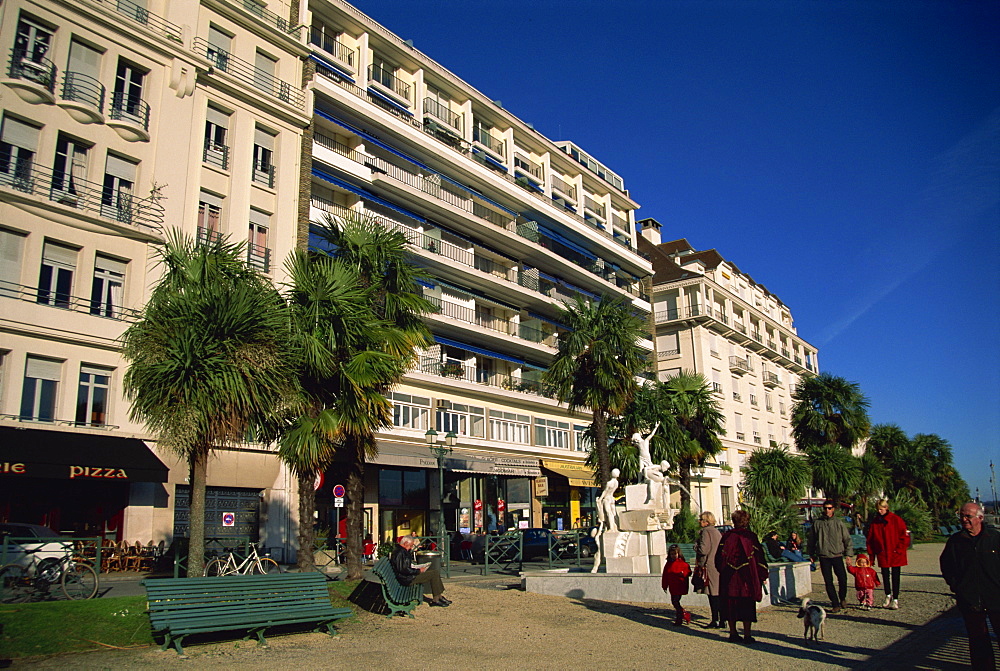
{"x":656,"y":480}
{"x":606,"y":515}
{"x":645,"y":460}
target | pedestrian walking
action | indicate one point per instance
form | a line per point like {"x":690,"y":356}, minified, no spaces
{"x":970,"y":565}
{"x":675,"y":582}
{"x":888,"y":538}
{"x":830,"y":543}
{"x":865,"y":581}
{"x":742,"y":573}
{"x":705,"y":549}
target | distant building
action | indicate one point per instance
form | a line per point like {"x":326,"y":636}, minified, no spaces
{"x":714,"y":319}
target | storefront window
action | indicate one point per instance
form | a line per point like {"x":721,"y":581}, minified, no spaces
{"x":402,"y":488}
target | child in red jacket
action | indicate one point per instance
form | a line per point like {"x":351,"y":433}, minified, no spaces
{"x":675,"y":581}
{"x":865,"y":581}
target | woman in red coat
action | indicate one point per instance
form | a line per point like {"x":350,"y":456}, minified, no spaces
{"x":742,"y":574}
{"x":888,"y":540}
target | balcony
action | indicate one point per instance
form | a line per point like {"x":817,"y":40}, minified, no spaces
{"x":740,"y":435}
{"x":270,"y":18}
{"x":771,"y":380}
{"x":564,"y":189}
{"x":259,"y":257}
{"x":129,"y":117}
{"x":717,"y":388}
{"x":60,"y":187}
{"x":82,"y":97}
{"x":216,"y":154}
{"x":469,"y":315}
{"x":204,"y":236}
{"x":263,"y":173}
{"x":594,"y":207}
{"x":667,"y":353}
{"x":67,"y":302}
{"x":486,"y":139}
{"x":738,"y":397}
{"x":390,"y":83}
{"x":33,"y":78}
{"x":341,"y":53}
{"x":753,"y":400}
{"x":435,"y":114}
{"x":739,"y":365}
{"x":484,"y":376}
{"x":247,"y":73}
{"x":58,"y":422}
{"x":142,"y":16}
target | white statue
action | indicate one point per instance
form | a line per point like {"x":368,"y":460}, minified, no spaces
{"x":645,"y":460}
{"x":656,"y":480}
{"x":607,"y":517}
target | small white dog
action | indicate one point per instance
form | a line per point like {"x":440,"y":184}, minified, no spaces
{"x":813,"y":617}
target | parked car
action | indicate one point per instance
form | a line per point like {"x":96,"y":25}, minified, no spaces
{"x":536,"y":543}
{"x":13,"y":551}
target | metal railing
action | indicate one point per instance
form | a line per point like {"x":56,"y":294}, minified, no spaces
{"x":259,"y":257}
{"x":442,"y":113}
{"x":264,"y":174}
{"x":335,"y":48}
{"x":594,"y":206}
{"x":563,"y":187}
{"x":250,"y":74}
{"x":524,"y":163}
{"x":63,"y":188}
{"x":35,"y":69}
{"x":216,"y":154}
{"x":269,"y":17}
{"x":127,"y":107}
{"x":477,"y":375}
{"x":58,"y":299}
{"x":483,"y":137}
{"x":469,"y":315}
{"x":60,"y":422}
{"x":144,"y":17}
{"x":739,"y":364}
{"x":663,"y":354}
{"x":771,"y":379}
{"x":387,"y":79}
{"x":83,"y":88}
{"x":505,"y":551}
{"x":204,"y":235}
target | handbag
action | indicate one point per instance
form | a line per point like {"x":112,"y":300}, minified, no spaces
{"x":698,"y":580}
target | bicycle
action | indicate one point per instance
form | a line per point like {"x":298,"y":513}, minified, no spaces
{"x":76,"y":579}
{"x":252,"y":564}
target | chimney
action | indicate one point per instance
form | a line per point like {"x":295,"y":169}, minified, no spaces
{"x":650,"y":229}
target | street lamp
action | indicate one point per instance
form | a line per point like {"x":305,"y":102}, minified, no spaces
{"x":698,"y":471}
{"x":440,"y":451}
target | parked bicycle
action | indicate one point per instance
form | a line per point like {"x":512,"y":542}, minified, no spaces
{"x":252,"y":564}
{"x":76,"y":579}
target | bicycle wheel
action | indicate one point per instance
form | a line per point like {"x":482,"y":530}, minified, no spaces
{"x":79,"y":581}
{"x":266,"y":566}
{"x":14,"y":584}
{"x":217,"y":567}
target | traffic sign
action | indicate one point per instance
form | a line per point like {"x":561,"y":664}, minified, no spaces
{"x":338,"y":502}
{"x":339,"y":491}
{"x":229,"y":519}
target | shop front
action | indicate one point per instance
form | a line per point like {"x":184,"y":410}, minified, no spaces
{"x":77,"y":483}
{"x":570,"y":499}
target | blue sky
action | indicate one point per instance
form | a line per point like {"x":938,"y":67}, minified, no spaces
{"x":844,"y":154}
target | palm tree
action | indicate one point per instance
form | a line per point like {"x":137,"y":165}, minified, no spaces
{"x":701,"y":422}
{"x":829,"y":410}
{"x":776,"y":472}
{"x":940,"y":472}
{"x":834,"y":470}
{"x":596,"y":365}
{"x":885,"y":439}
{"x":382,"y":264}
{"x":332,"y":329}
{"x":206,"y":359}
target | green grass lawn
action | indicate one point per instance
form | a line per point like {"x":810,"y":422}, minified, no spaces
{"x":50,"y":628}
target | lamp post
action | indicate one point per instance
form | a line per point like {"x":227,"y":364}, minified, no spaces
{"x":440,"y":451}
{"x":698,"y":471}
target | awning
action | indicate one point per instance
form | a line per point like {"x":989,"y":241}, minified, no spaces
{"x":578,"y":475}
{"x":420,"y":456}
{"x":320,"y":112}
{"x":386,"y":99}
{"x":362,"y":193}
{"x":476,"y":350}
{"x":66,"y":455}
{"x":330,"y":65}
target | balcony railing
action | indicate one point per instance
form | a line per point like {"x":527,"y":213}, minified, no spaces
{"x":716,"y":388}
{"x":204,"y":236}
{"x":335,"y":48}
{"x":264,"y":174}
{"x":66,"y":189}
{"x":771,"y":379}
{"x":250,"y":74}
{"x":435,"y":109}
{"x":388,"y":80}
{"x":59,"y":422}
{"x":470,"y":316}
{"x":737,"y":396}
{"x":216,"y":154}
{"x":38,"y":70}
{"x":667,"y":353}
{"x":483,"y":137}
{"x":84,"y":89}
{"x":740,"y":365}
{"x":269,"y":17}
{"x":66,"y":302}
{"x":486,"y":377}
{"x":594,"y":206}
{"x":259,"y":257}
{"x":132,"y":108}
{"x":146,"y":18}
{"x":564,"y":188}
{"x":525,"y":164}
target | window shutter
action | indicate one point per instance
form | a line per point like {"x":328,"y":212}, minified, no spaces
{"x":121,"y":168}
{"x":20,"y":134}
{"x":84,"y":60}
{"x":110,"y":265}
{"x":263,"y":139}
{"x":218,"y":117}
{"x":43,"y":369}
{"x":59,"y":255}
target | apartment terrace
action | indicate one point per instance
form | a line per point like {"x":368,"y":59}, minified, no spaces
{"x":483,"y":374}
{"x":248,"y":73}
{"x":65,"y":301}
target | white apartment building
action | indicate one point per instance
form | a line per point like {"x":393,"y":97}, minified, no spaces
{"x":712,"y":318}
{"x":122,"y":119}
{"x":509,"y":224}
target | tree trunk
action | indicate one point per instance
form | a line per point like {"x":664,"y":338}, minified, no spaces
{"x":684,"y":478}
{"x":601,"y":446}
{"x":307,"y":532}
{"x":355,"y":506}
{"x":198,"y":463}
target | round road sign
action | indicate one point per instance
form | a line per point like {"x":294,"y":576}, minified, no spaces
{"x":339,"y":491}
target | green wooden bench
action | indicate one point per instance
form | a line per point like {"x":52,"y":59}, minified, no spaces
{"x":399,"y":598}
{"x":182,"y":606}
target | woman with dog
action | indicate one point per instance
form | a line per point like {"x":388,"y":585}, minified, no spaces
{"x":743,"y":571}
{"x":888,"y":539}
{"x":705,"y":550}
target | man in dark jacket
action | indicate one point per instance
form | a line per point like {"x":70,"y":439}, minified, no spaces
{"x":830,"y":542}
{"x":970,"y":565}
{"x":404,"y":565}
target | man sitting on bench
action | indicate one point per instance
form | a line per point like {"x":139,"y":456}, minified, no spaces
{"x":409,"y":572}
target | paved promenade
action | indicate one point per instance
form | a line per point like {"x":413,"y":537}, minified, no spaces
{"x":494,"y":625}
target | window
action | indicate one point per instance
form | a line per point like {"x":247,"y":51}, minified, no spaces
{"x":107,"y":288}
{"x":410,"y":412}
{"x":258,"y":253}
{"x":327,"y":38}
{"x":55,"y":279}
{"x":668,"y":344}
{"x":583,"y":442}
{"x":219,"y":48}
{"x":69,"y":170}
{"x":263,"y":75}
{"x":116,"y":194}
{"x":127,"y":101}
{"x":92,"y":396}
{"x":768,"y":403}
{"x":11,"y":252}
{"x":18,"y":143}
{"x":736,"y":390}
{"x":83,"y":70}
{"x":510,"y":427}
{"x":756,"y":431}
{"x":402,"y":488}
{"x":41,"y":382}
{"x":209,"y":217}
{"x":463,"y":420}
{"x":716,"y":381}
{"x":669,"y":373}
{"x":551,"y":433}
{"x":216,"y":150}
{"x":383,"y":72}
{"x":727,"y":497}
{"x":738,"y":425}
{"x":263,"y":157}
{"x":31,"y":49}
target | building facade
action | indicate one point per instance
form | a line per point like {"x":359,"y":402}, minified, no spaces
{"x":712,"y":318}
{"x":123,"y":119}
